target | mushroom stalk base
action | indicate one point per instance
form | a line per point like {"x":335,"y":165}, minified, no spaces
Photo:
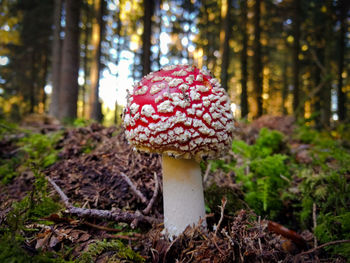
{"x":182,"y":194}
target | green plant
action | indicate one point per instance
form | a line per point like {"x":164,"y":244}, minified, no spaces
{"x":8,"y":169}
{"x":270,"y":177}
{"x":118,"y":250}
{"x":262,"y":171}
{"x":40,"y":149}
{"x":325,"y":185}
{"x":34,"y":206}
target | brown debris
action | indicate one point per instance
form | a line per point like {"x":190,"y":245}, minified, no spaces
{"x":94,"y":160}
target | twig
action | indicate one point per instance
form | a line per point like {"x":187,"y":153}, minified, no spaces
{"x":314,"y":219}
{"x":134,"y":189}
{"x":116,"y":215}
{"x":133,"y":237}
{"x":155,"y":193}
{"x":103,"y":228}
{"x":60,"y":192}
{"x":335,"y":242}
{"x":205,"y":178}
{"x":222,"y":207}
{"x":259,"y":240}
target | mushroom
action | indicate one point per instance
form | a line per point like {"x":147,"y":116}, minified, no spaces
{"x":183,"y":113}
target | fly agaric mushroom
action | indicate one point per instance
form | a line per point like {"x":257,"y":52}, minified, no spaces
{"x":184,"y":114}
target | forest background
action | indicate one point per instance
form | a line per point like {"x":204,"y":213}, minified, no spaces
{"x":282,"y":192}
{"x":77,"y":58}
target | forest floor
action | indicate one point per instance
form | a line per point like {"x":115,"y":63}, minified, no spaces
{"x":81,"y":194}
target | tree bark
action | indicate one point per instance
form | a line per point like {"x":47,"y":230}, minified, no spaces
{"x":70,"y":62}
{"x":327,"y":87}
{"x":285,"y":84}
{"x":97,"y":33}
{"x":146,"y":36}
{"x":56,"y":59}
{"x":244,"y":60}
{"x":343,"y":6}
{"x":87,"y":36}
{"x":257,"y":64}
{"x":224,"y":41}
{"x":295,"y":52}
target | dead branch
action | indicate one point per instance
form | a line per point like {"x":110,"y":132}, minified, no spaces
{"x":114,"y":215}
{"x":222,"y":208}
{"x":155,"y":193}
{"x":336,"y":242}
{"x":134,"y":189}
{"x":314,"y":219}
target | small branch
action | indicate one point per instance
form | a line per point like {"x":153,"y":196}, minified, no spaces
{"x":60,"y":192}
{"x":134,"y":189}
{"x":314,"y":219}
{"x":103,"y":228}
{"x":116,"y":215}
{"x":222,"y":207}
{"x":336,"y":242}
{"x":155,"y":193}
{"x":207,"y":171}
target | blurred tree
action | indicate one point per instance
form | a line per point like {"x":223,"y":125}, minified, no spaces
{"x":56,"y":58}
{"x":225,"y":34}
{"x":70,"y":62}
{"x":257,"y":60}
{"x":343,"y":9}
{"x":26,"y":72}
{"x":244,"y":59}
{"x":86,"y":60}
{"x":327,"y":74}
{"x":296,"y":49}
{"x":97,"y":36}
{"x":148,"y":7}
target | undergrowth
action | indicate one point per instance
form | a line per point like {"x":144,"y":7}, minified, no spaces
{"x":263,"y":174}
{"x":14,"y":230}
{"x":273,"y":182}
{"x":114,"y":250}
{"x":30,"y":149}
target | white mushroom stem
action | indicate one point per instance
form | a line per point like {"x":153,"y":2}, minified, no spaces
{"x":182,"y":194}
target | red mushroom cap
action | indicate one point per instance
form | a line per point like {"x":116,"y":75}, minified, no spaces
{"x":180,"y":111}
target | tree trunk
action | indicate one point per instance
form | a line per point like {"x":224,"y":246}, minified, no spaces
{"x":343,"y":6}
{"x":70,"y":62}
{"x":244,"y":60}
{"x":56,"y":59}
{"x":285,"y":84}
{"x":148,"y":6}
{"x":224,"y":41}
{"x":87,"y":35}
{"x":118,"y":51}
{"x":257,"y":60}
{"x":327,"y":87}
{"x":97,"y":32}
{"x":295,"y":52}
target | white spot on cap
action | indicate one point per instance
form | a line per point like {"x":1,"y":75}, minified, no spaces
{"x":165,"y":106}
{"x":141,"y":91}
{"x":207,"y":118}
{"x":134,"y":108}
{"x":199,"y":77}
{"x":175,"y":82}
{"x":156,"y":88}
{"x":147,"y":110}
{"x":180,"y":73}
{"x":190,"y":79}
{"x":202,"y":88}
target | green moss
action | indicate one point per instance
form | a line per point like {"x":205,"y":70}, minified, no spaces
{"x":117,"y":250}
{"x":40,"y":149}
{"x":268,"y":175}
